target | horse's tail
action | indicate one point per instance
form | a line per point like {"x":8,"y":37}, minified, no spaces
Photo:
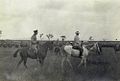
{"x":15,"y":54}
{"x":57,"y":49}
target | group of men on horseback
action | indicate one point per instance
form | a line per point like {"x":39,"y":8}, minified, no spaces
{"x":39,"y":52}
{"x":76,"y":44}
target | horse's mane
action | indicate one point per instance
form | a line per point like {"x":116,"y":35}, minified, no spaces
{"x":88,"y":46}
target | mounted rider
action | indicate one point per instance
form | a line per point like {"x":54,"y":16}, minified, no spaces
{"x":34,"y":42}
{"x":77,"y":44}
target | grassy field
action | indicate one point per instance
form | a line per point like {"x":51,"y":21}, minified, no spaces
{"x":103,"y":67}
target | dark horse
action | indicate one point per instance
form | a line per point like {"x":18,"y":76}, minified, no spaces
{"x":115,"y":46}
{"x":25,"y":53}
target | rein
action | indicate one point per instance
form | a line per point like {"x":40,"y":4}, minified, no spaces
{"x":89,"y":47}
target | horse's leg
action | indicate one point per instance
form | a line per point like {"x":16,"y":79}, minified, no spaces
{"x":81,"y":62}
{"x":62,"y":63}
{"x":69,"y":62}
{"x":85,"y":62}
{"x":25,"y":61}
{"x":115,"y":49}
{"x":100,"y":50}
{"x":42,"y":61}
{"x":19,"y":62}
{"x":60,"y":52}
{"x":114,"y":55}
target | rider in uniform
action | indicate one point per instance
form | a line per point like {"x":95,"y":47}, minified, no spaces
{"x":34,"y":42}
{"x":77,"y":43}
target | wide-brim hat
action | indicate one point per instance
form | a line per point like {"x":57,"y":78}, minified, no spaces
{"x":35,"y":31}
{"x":77,"y":32}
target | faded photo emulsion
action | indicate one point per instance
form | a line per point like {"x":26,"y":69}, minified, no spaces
{"x":59,"y":40}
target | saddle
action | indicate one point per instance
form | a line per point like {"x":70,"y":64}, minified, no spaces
{"x":31,"y":50}
{"x":80,"y":50}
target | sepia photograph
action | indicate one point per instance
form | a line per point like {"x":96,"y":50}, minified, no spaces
{"x":59,"y":40}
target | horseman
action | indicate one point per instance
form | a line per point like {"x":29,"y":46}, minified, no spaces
{"x":77,"y":44}
{"x":34,"y":42}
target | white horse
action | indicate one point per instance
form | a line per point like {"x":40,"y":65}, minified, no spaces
{"x":68,"y":51}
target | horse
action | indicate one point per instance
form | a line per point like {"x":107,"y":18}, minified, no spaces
{"x":25,"y":53}
{"x":68,"y":51}
{"x":115,"y":46}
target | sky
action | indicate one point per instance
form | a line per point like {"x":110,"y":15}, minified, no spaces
{"x":97,"y":18}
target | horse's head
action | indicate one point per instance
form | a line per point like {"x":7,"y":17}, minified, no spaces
{"x":96,"y":48}
{"x":49,"y":45}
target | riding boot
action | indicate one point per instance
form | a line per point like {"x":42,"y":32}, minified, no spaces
{"x":80,"y":56}
{"x":81,"y":51}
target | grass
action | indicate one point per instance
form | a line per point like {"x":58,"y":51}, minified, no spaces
{"x":99,"y":68}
